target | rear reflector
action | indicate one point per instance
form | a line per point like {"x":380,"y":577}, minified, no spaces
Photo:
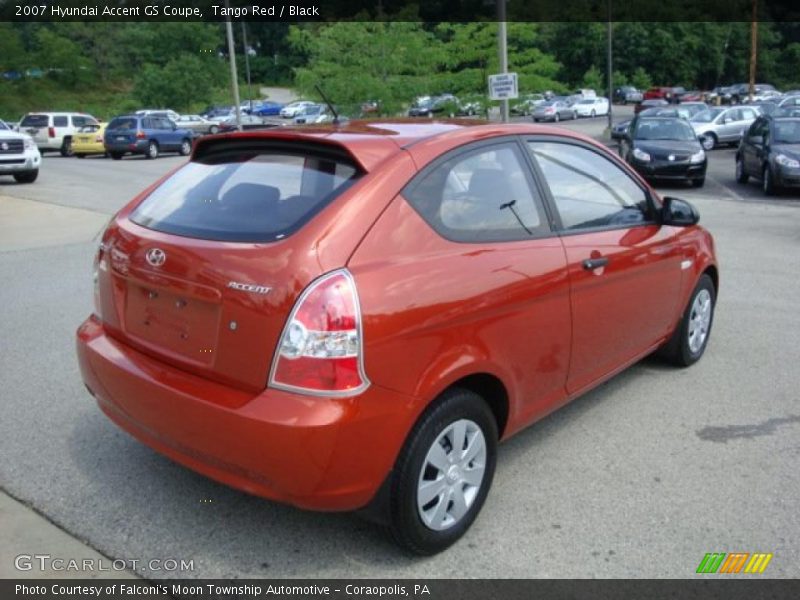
{"x":51,"y":132}
{"x":321,"y":349}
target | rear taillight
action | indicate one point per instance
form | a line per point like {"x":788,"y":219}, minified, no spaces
{"x":51,"y":131}
{"x":321,"y":350}
{"x":140,"y":135}
{"x":98,"y":139}
{"x":100,"y":264}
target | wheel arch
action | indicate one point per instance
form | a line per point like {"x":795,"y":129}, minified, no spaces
{"x":492,"y":390}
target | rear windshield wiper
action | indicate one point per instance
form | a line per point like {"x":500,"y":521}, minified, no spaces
{"x":510,"y":206}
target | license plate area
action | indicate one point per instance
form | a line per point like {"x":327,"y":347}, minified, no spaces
{"x":172,"y":322}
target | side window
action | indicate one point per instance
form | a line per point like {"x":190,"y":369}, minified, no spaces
{"x":748,"y":113}
{"x":732,"y":115}
{"x":588,"y":189}
{"x":147,"y":124}
{"x":60,"y":121}
{"x":479,"y":196}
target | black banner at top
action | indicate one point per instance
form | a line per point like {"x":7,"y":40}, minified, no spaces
{"x":399,"y":10}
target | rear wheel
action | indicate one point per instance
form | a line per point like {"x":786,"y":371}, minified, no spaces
{"x":443,"y":473}
{"x":186,"y":147}
{"x":594,"y":114}
{"x":213,"y":129}
{"x":690,"y":338}
{"x":27,"y":177}
{"x":116,"y":155}
{"x":152,"y":150}
{"x":66,"y":147}
{"x":557,"y":118}
{"x":80,"y":155}
{"x":741,"y":176}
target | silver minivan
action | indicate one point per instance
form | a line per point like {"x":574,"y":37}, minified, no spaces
{"x":720,"y":125}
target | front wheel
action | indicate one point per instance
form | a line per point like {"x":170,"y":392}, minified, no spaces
{"x":690,"y":338}
{"x":116,"y":155}
{"x":557,"y":118}
{"x":27,"y":177}
{"x":741,"y":175}
{"x":213,"y":130}
{"x":767,"y":182}
{"x":594,"y":114}
{"x":698,"y":183}
{"x":709,"y":141}
{"x":443,"y":473}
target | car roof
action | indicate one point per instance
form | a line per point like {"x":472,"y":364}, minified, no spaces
{"x":370,"y":142}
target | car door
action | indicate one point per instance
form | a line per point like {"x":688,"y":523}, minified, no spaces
{"x":753,"y":147}
{"x":747,"y":115}
{"x":170,"y":136}
{"x":489,"y":241}
{"x":625,"y":269}
{"x":730,"y":125}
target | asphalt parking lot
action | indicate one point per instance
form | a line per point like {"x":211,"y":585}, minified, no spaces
{"x":639,"y":478}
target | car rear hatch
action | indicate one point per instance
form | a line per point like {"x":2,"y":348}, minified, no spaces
{"x":36,"y":126}
{"x":204,"y":271}
{"x":122,"y":131}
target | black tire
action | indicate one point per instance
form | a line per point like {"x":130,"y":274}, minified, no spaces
{"x":66,"y":147}
{"x":709,"y":141}
{"x":741,"y":175}
{"x":677,"y":349}
{"x":116,"y":155}
{"x":80,"y":155}
{"x":406,"y":526}
{"x":768,"y":182}
{"x":186,"y":147}
{"x":698,"y":183}
{"x":152,"y":150}
{"x":27,"y":177}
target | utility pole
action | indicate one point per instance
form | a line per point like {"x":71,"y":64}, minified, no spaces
{"x":610,"y":65}
{"x":753,"y":49}
{"x":234,"y":75}
{"x":502,"y":48}
{"x":247,"y":66}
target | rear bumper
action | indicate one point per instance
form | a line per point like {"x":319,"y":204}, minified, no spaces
{"x":138,"y":147}
{"x":316,"y":453}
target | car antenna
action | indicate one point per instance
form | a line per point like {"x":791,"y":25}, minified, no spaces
{"x":328,"y":102}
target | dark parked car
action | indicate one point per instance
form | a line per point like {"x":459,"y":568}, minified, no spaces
{"x":770,"y":151}
{"x":433,"y":105}
{"x":148,"y":135}
{"x":741,"y":91}
{"x":627,"y":94}
{"x":665,"y":148}
{"x":619,"y":130}
{"x":267,"y":109}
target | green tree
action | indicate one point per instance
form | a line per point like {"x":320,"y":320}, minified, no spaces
{"x":184,"y":81}
{"x":353,"y":62}
{"x":12,"y":53}
{"x":593,"y":80}
{"x":60,"y":57}
{"x":640,"y":79}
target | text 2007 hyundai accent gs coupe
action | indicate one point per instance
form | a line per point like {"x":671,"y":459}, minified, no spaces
{"x":348,"y":317}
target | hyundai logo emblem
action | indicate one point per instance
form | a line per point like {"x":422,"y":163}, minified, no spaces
{"x":4,"y":146}
{"x":671,"y":157}
{"x":156,"y":257}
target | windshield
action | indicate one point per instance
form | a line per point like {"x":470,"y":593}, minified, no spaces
{"x":707,"y":115}
{"x":787,"y":132}
{"x":3,"y":126}
{"x":245,"y":196}
{"x":664,"y":129}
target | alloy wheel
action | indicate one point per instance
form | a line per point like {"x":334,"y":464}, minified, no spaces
{"x":699,"y":321}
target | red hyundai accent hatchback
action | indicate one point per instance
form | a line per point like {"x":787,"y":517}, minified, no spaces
{"x":352,"y":317}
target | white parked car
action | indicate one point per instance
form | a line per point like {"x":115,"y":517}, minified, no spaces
{"x":19,"y":156}
{"x":290,"y":110}
{"x":591,"y":107}
{"x":316,"y":113}
{"x":54,"y":130}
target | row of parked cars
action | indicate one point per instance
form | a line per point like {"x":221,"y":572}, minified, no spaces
{"x":671,"y":142}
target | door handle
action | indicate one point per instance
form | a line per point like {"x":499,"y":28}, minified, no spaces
{"x":590,"y":264}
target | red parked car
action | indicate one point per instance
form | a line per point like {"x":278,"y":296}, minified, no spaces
{"x":352,"y":317}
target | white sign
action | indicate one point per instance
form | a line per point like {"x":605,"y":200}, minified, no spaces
{"x":503,"y":86}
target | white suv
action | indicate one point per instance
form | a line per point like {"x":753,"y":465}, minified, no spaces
{"x":19,"y":155}
{"x":54,"y":130}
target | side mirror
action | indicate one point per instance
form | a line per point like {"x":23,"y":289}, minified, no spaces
{"x":679,"y":213}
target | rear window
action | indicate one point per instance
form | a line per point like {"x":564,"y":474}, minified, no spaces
{"x":254,"y":195}
{"x":123,"y":123}
{"x":35,"y":121}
